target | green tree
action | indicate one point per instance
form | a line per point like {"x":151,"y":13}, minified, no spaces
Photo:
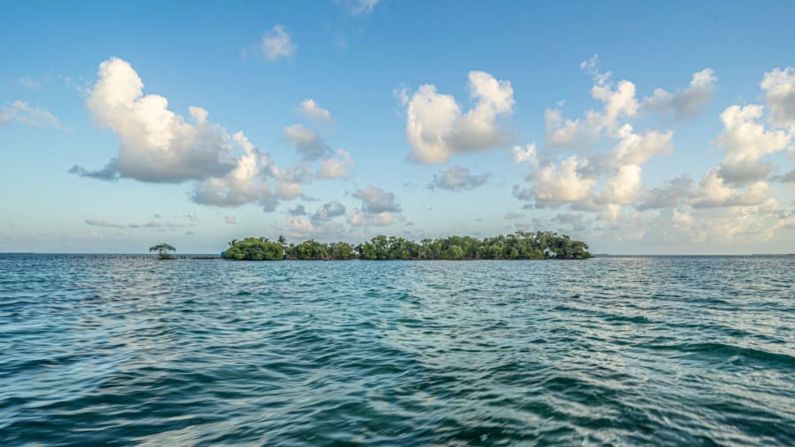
{"x":254,"y":249}
{"x":518,"y":245}
{"x":162,"y":250}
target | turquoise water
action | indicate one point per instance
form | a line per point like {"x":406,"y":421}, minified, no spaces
{"x":119,"y":350}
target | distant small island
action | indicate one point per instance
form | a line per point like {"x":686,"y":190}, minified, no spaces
{"x":519,"y":245}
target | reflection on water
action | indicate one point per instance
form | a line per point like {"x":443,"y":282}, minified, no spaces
{"x":129,"y":350}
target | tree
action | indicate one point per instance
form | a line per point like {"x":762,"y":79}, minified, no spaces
{"x":162,"y":250}
{"x":519,"y":245}
{"x":254,"y":249}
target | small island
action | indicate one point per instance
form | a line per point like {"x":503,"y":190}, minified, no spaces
{"x":519,"y":245}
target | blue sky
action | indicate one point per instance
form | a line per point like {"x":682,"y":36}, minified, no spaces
{"x":419,"y":124}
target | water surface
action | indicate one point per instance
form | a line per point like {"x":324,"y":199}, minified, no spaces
{"x":127,"y":350}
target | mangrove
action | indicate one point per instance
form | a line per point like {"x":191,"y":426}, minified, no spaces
{"x":519,"y":245}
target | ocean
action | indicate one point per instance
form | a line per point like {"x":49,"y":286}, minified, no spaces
{"x":129,"y":350}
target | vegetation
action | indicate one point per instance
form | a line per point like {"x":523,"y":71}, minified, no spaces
{"x":254,"y":249}
{"x":162,"y":250}
{"x":519,"y":245}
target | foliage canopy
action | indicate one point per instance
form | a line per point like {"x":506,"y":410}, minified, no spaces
{"x":519,"y":245}
{"x":162,"y":250}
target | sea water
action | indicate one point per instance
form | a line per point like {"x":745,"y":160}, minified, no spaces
{"x":129,"y":350}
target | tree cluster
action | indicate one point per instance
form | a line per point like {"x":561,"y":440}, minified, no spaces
{"x":519,"y":245}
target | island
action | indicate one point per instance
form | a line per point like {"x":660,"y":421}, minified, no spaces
{"x":518,"y":245}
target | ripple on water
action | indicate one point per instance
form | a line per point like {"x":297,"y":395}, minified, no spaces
{"x":126,"y":350}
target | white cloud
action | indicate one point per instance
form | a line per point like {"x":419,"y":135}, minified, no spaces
{"x":624,"y":186}
{"x":526,"y":155}
{"x":746,"y":141}
{"x":328,"y":211}
{"x":322,"y":223}
{"x":359,"y":7}
{"x":688,"y":101}
{"x":243,"y":184}
{"x":230,"y":220}
{"x":360,"y":219}
{"x":731,"y":202}
{"x":312,"y":110}
{"x":337,"y":167}
{"x":713,"y":192}
{"x":618,"y":103}
{"x":300,"y":226}
{"x":637,"y":149}
{"x":670,"y":195}
{"x":437,"y":129}
{"x":289,"y":190}
{"x":157,"y":145}
{"x":779,"y":88}
{"x":457,"y":178}
{"x":602,"y":181}
{"x":682,"y":219}
{"x":378,"y":207}
{"x":376,"y":200}
{"x":564,"y":184}
{"x":277,"y":43}
{"x":23,"y":113}
{"x":307,"y":142}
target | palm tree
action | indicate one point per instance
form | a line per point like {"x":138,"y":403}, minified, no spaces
{"x":162,"y":250}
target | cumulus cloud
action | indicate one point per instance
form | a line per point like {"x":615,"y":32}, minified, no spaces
{"x":21,"y":112}
{"x":359,"y":219}
{"x":731,"y":201}
{"x":277,"y":43}
{"x":779,"y":89}
{"x":457,"y":178}
{"x":110,"y":172}
{"x":637,"y":149}
{"x":337,"y":166}
{"x":300,"y":226}
{"x":243,"y":184}
{"x":378,"y":207}
{"x":312,"y":110}
{"x":157,"y":145}
{"x":321,"y":223}
{"x":670,"y":195}
{"x":556,"y":185}
{"x":437,"y":129}
{"x":376,"y":200}
{"x":308,"y":143}
{"x":746,"y":141}
{"x":682,"y":219}
{"x":328,"y":211}
{"x":526,"y":155}
{"x":688,"y":101}
{"x":713,"y":192}
{"x":618,"y":103}
{"x":624,"y":186}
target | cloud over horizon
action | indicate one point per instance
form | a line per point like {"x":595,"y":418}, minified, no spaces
{"x":606,"y":187}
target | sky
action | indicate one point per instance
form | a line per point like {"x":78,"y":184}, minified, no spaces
{"x":657,"y":127}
